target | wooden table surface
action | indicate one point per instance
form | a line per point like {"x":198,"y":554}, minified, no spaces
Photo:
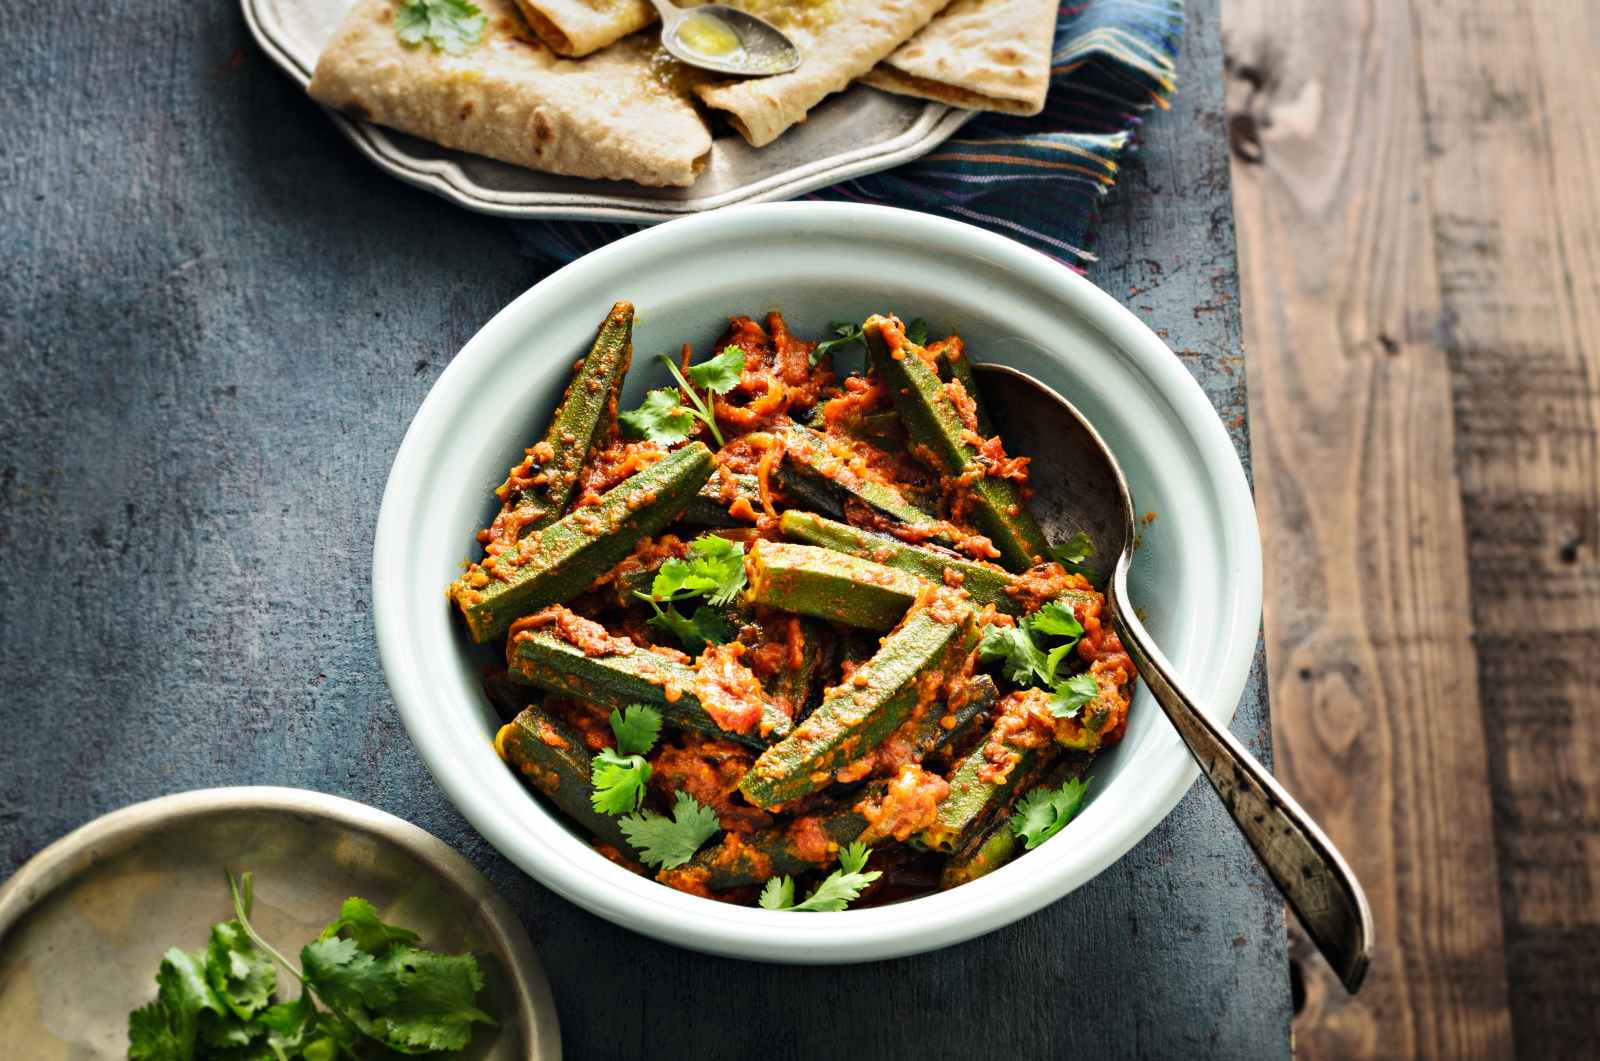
{"x":217,"y":322}
{"x":1418,"y":186}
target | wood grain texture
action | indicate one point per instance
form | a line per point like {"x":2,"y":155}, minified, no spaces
{"x":1420,"y":239}
{"x":1513,"y":169}
{"x":1368,"y":620}
{"x":218,"y":321}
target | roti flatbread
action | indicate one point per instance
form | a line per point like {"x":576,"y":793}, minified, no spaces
{"x":840,"y":40}
{"x":991,"y":55}
{"x":509,"y":97}
{"x":578,"y":27}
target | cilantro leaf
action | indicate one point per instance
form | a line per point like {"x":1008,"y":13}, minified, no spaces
{"x":347,"y":978}
{"x":722,"y":561}
{"x":1052,"y":661}
{"x":669,"y":842}
{"x":359,"y":920}
{"x":778,"y":893}
{"x":1056,"y":619}
{"x":290,"y":1025}
{"x":917,"y":331}
{"x":662,"y":418}
{"x":636,"y":728}
{"x":1020,"y":658}
{"x":449,"y":25}
{"x":721,"y":374}
{"x":619,"y":782}
{"x":240,"y":974}
{"x":1070,"y":696}
{"x":167,"y":1027}
{"x":837,"y":890}
{"x":706,"y":626}
{"x":1044,"y":812}
{"x":1075,"y":550}
{"x":846,"y":334}
{"x":434,"y":999}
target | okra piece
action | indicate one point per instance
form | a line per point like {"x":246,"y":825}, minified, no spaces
{"x":983,"y":583}
{"x":583,"y":420}
{"x":992,"y":848}
{"x":956,"y":365}
{"x":994,"y":844}
{"x":550,"y":758}
{"x":936,"y":429}
{"x":808,"y":459}
{"x":977,"y":795}
{"x":808,"y":843}
{"x":909,"y":668}
{"x":709,"y":508}
{"x":638,"y":676}
{"x":507,"y":697}
{"x":807,"y":580}
{"x":558,"y":563}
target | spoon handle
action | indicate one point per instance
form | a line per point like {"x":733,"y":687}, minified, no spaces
{"x":668,"y":11}
{"x":1299,"y":857}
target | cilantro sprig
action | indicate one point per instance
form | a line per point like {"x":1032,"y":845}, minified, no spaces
{"x":713,"y":569}
{"x":664,"y":418}
{"x":1043,"y":812}
{"x":1072,"y":554}
{"x":846,"y":335}
{"x":449,"y":25}
{"x":367,"y":988}
{"x":619,"y":775}
{"x":670,"y":842}
{"x":838,"y":889}
{"x":1031,"y":654}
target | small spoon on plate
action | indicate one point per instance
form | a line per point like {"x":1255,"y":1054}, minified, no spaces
{"x":725,"y":40}
{"x":1074,"y":472}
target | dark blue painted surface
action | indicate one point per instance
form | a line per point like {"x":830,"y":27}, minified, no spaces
{"x":217,"y":321}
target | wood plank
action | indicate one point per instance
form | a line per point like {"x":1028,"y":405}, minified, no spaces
{"x":1368,"y":620}
{"x":1513,"y":168}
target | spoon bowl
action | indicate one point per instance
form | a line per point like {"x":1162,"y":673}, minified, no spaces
{"x":1079,"y":486}
{"x":725,"y":40}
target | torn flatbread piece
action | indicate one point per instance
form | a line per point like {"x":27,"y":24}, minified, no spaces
{"x":839,"y":39}
{"x":991,"y":55}
{"x":610,"y":116}
{"x":578,"y":27}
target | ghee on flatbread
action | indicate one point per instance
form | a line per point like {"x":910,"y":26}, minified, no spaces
{"x":840,"y":40}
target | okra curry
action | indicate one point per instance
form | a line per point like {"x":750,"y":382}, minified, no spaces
{"x":788,"y":635}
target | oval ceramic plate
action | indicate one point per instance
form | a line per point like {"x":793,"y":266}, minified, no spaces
{"x":1197,"y":578}
{"x":855,"y":132}
{"x":84,"y":924}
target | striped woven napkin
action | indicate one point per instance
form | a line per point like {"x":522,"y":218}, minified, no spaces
{"x":1037,"y":179}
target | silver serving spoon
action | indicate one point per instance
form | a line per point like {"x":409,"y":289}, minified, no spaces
{"x":1080,"y":487}
{"x":725,"y":40}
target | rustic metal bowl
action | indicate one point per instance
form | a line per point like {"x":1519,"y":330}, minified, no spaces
{"x":84,"y":924}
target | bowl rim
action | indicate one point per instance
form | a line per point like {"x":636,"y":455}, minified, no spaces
{"x":877,"y":933}
{"x":59,"y":862}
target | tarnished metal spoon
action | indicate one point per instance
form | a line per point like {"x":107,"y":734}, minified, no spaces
{"x":725,"y":40}
{"x":1074,"y":471}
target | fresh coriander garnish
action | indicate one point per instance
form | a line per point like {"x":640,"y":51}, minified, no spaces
{"x":1044,"y":812}
{"x":838,"y":889}
{"x":449,"y":25}
{"x":714,"y":569}
{"x":845,"y":334}
{"x":669,"y":842}
{"x":917,"y":331}
{"x":665,"y":419}
{"x":375,"y":987}
{"x":619,"y":775}
{"x":1027,"y":657}
{"x":1072,"y":554}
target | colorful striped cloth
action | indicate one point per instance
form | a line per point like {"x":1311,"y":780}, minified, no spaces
{"x":1036,"y":179}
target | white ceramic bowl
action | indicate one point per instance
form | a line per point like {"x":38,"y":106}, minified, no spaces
{"x":1197,"y":575}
